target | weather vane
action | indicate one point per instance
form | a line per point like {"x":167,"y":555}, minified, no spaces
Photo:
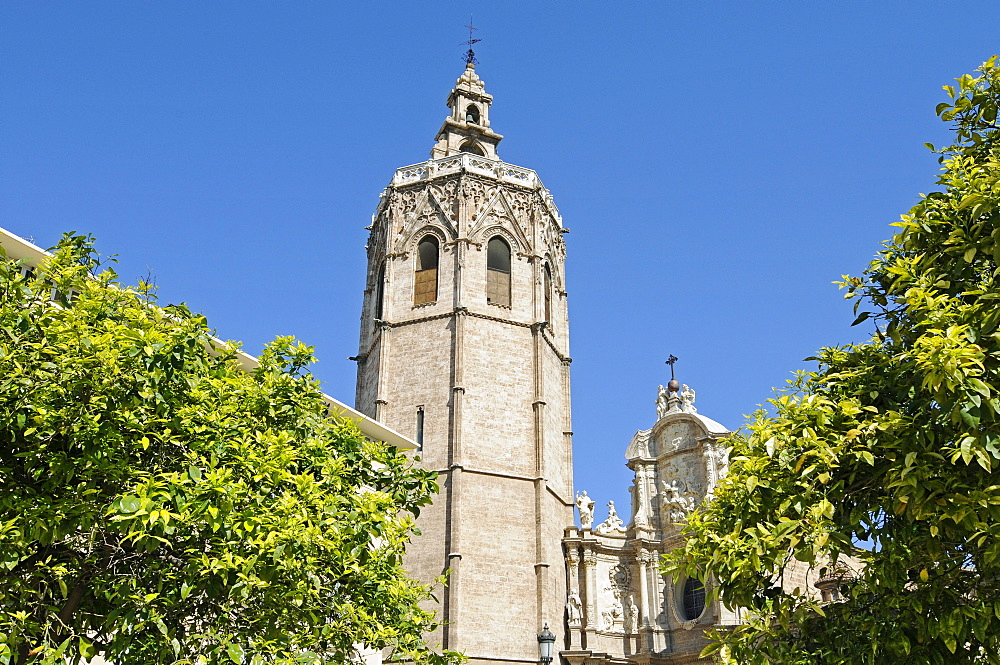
{"x":470,"y":55}
{"x":673,"y":386}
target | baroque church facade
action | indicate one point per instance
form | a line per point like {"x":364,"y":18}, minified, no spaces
{"x":464,"y":346}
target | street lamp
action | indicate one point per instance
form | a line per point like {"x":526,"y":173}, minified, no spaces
{"x":546,"y":642}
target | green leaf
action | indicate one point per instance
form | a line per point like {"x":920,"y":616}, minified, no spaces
{"x":130,"y":503}
{"x":863,"y":316}
{"x":86,"y":648}
{"x":235,"y":652}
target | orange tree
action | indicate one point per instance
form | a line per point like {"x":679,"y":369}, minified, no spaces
{"x":158,"y":504}
{"x":890,"y":451}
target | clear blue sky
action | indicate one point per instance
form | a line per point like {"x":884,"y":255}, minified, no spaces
{"x":719,"y":165}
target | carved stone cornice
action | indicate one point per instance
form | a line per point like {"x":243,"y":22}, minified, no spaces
{"x":494,"y":169}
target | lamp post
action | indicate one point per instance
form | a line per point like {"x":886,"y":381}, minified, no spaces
{"x":546,"y":643}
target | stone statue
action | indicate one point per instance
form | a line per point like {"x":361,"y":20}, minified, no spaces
{"x":612,"y":616}
{"x":661,"y":402}
{"x":613,"y":523}
{"x":574,"y":609}
{"x":687,"y":399}
{"x":677,"y":505}
{"x":613,"y":520}
{"x":632,"y":617}
{"x":586,"y":507}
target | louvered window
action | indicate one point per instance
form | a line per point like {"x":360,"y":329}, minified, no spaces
{"x":425,"y":278}
{"x":379,"y":292}
{"x":498,"y":272}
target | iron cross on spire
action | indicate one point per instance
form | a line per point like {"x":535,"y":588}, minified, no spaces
{"x":673,"y":386}
{"x":470,"y":55}
{"x":670,"y":361}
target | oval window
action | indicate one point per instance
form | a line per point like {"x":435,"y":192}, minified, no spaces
{"x":693,"y":599}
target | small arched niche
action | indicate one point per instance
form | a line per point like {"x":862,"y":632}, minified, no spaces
{"x":472,"y":114}
{"x":473,"y":148}
{"x":425,"y":276}
{"x":498,"y":272}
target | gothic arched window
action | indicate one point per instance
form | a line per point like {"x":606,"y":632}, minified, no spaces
{"x":473,"y":148}
{"x":498,"y":272}
{"x":425,"y":278}
{"x":472,"y":114}
{"x":693,"y":598}
{"x":379,"y":291}
{"x":547,"y":296}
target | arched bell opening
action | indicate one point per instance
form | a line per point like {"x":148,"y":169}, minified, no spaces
{"x":425,"y":276}
{"x":472,"y":147}
{"x":498,"y":272}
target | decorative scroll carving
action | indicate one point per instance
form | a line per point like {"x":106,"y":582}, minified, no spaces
{"x":620,"y":576}
{"x":639,"y":446}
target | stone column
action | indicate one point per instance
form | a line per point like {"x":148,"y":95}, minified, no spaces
{"x":644,"y":559}
{"x":641,"y":518}
{"x":590,"y":580}
{"x":575,"y":625}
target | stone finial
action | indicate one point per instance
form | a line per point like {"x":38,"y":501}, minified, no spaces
{"x":469,"y":81}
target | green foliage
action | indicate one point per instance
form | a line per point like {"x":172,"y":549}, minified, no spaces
{"x":158,"y":504}
{"x":890,"y":452}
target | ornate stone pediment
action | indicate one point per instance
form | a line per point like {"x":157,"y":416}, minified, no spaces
{"x":499,"y":213}
{"x":639,"y":446}
{"x":419,"y":210}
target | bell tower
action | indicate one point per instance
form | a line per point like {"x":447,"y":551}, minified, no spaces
{"x":465,"y":347}
{"x":467,"y":127}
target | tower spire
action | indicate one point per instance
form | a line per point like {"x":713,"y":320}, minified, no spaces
{"x":467,"y":127}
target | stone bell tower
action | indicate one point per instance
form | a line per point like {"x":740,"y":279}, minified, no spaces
{"x":465,"y":347}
